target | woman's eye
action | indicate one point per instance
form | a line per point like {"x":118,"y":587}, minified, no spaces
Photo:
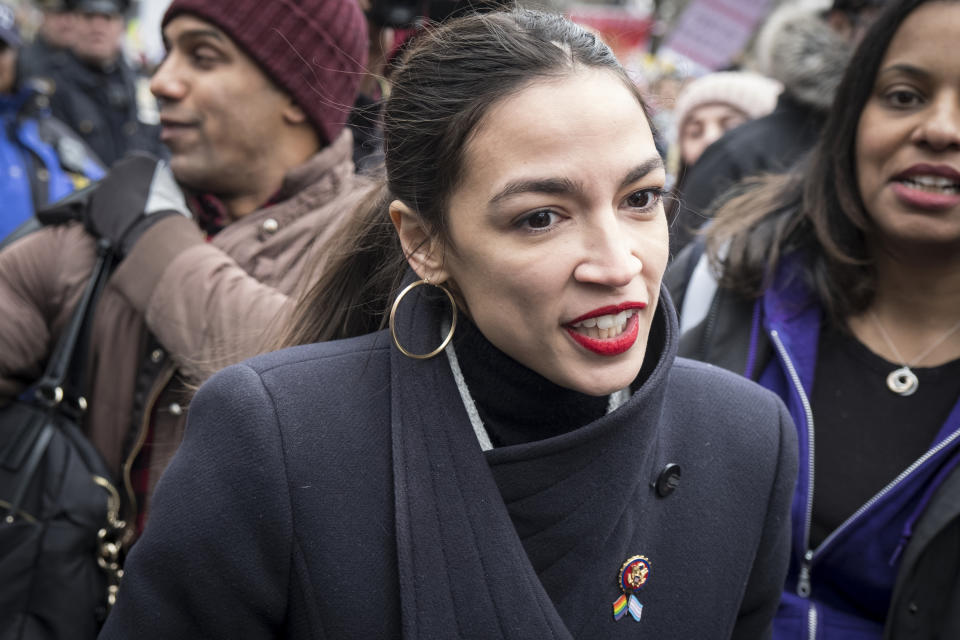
{"x":692,"y":131}
{"x":902,"y":98}
{"x":644,"y":199}
{"x":539,"y":219}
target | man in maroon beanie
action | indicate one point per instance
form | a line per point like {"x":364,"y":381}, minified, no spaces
{"x":253,"y":97}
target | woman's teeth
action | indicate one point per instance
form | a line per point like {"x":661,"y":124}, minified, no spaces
{"x":931,"y":184}
{"x":603,"y":327}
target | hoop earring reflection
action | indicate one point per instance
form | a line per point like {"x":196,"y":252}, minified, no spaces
{"x":393,"y":313}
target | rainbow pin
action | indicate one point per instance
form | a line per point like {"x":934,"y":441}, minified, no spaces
{"x":633,"y":575}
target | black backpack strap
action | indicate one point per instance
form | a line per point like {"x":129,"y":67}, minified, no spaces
{"x":65,"y":365}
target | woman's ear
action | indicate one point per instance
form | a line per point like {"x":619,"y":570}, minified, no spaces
{"x":423,"y":250}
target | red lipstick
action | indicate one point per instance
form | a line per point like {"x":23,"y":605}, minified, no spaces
{"x":609,"y":310}
{"x":609,"y":346}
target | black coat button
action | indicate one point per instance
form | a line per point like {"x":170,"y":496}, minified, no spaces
{"x":668,"y":480}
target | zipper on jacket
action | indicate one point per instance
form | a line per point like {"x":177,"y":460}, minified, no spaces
{"x":887,"y":489}
{"x":803,"y":590}
{"x":157,"y":389}
{"x":711,"y":320}
{"x":808,"y":413}
{"x":812,"y":622}
{"x":803,"y":582}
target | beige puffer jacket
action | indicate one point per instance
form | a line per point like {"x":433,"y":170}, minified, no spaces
{"x":176,"y":305}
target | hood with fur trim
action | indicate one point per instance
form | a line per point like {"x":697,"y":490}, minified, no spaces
{"x":797,"y":47}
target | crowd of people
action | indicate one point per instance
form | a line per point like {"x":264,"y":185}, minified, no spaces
{"x":436,"y":332}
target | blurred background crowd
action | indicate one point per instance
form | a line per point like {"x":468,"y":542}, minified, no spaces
{"x":706,"y":67}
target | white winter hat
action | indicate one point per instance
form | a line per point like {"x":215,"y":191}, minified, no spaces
{"x":751,"y":93}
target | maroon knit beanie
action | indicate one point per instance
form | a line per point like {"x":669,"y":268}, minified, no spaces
{"x":315,"y":50}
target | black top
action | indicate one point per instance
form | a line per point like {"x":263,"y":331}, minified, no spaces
{"x":516,"y":404}
{"x":866,"y":435}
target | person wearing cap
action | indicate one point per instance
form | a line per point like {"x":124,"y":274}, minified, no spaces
{"x":706,"y":109}
{"x":55,"y":36}
{"x":253,"y":96}
{"x":713,"y":104}
{"x":41,"y":159}
{"x":93,"y":88}
{"x":806,"y":49}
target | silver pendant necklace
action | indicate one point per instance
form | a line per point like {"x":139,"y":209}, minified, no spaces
{"x":903,"y":381}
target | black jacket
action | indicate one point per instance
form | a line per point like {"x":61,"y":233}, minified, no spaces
{"x":36,"y":59}
{"x":338,"y":491}
{"x":101,"y":105}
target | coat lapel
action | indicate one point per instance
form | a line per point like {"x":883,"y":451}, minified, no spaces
{"x":463,"y":571}
{"x":580,"y":501}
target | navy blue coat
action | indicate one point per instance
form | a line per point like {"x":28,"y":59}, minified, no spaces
{"x":338,"y":491}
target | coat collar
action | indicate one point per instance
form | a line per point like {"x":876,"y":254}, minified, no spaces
{"x":464,"y":571}
{"x":334,"y":160}
{"x":305,"y":188}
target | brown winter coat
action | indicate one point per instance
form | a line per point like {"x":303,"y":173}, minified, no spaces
{"x":174,"y":308}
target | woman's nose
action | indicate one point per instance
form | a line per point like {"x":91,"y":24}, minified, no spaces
{"x":609,"y":258}
{"x":940,"y":130}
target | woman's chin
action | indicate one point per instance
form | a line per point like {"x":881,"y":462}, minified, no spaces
{"x":602,"y":384}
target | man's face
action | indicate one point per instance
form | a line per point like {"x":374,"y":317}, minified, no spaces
{"x":59,"y":28}
{"x":220,"y":114}
{"x":98,"y":37}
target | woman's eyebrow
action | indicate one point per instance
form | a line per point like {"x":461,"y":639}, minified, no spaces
{"x":641,"y":171}
{"x":906,"y":69}
{"x":567,"y":186}
{"x":537,"y":185}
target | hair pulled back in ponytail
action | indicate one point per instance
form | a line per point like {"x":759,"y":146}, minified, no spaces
{"x":446,"y":83}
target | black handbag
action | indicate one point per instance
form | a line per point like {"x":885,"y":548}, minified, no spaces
{"x":59,"y":510}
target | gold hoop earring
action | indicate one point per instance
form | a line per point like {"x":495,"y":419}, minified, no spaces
{"x":393,"y":313}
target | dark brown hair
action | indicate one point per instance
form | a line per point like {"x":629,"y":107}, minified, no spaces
{"x":816,"y":209}
{"x":446,"y":83}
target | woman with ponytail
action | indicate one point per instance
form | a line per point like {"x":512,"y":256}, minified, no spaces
{"x":480,"y":428}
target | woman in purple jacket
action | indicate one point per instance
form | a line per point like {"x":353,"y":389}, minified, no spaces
{"x":839,"y":289}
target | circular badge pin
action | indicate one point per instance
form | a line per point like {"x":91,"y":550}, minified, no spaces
{"x":633,"y":576}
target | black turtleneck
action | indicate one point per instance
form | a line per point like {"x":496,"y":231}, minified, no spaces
{"x":516,"y":404}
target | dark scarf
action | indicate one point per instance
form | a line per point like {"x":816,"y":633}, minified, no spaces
{"x":464,"y":570}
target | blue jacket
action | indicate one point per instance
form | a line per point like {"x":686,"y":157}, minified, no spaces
{"x":41,"y":160}
{"x":844,"y":587}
